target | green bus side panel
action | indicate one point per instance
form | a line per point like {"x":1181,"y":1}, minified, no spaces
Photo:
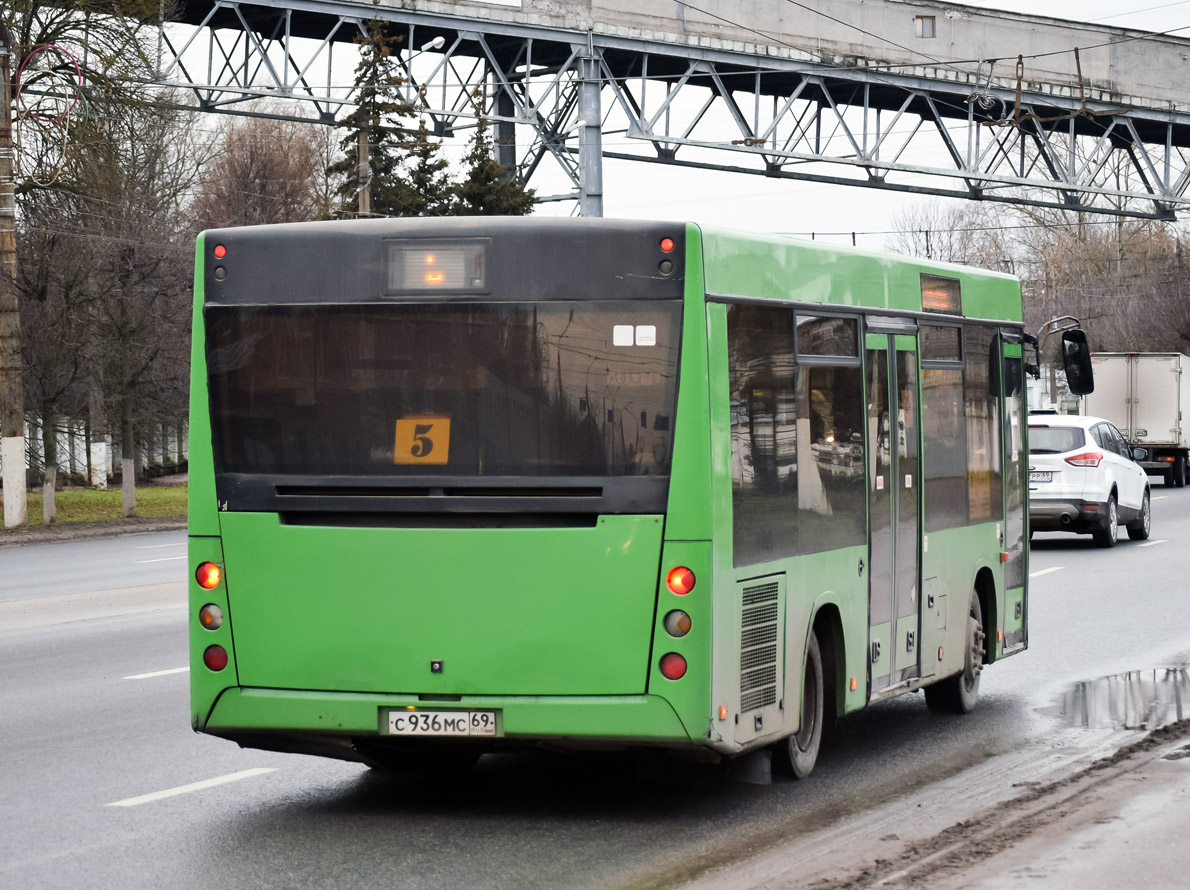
{"x":950,"y":564}
{"x":644,"y":718}
{"x":787,"y":269}
{"x":832,"y":578}
{"x":203,"y":511}
{"x":566,"y":611}
{"x":205,"y":684}
{"x":1014,"y":610}
{"x":689,"y":511}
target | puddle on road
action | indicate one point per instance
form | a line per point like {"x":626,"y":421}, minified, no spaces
{"x":1137,"y":700}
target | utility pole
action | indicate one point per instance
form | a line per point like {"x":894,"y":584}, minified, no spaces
{"x":12,"y":393}
{"x":364,"y":172}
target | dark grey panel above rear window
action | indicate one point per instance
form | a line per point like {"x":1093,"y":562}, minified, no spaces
{"x":353,"y":260}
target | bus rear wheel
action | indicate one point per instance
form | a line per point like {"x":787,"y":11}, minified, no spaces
{"x":958,"y":694}
{"x":803,"y":745}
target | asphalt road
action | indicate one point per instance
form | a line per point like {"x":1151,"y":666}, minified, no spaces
{"x":99,"y":760}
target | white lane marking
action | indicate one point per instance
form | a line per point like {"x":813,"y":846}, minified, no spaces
{"x":156,"y":674}
{"x":141,"y":562}
{"x":1161,"y":498}
{"x":1151,"y":543}
{"x":1041,"y":572}
{"x":194,"y":786}
{"x":159,"y":546}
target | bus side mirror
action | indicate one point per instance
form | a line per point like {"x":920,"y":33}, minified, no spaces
{"x":1076,"y":361}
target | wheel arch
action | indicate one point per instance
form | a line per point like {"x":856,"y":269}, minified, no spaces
{"x":985,"y":589}
{"x":827,"y":626}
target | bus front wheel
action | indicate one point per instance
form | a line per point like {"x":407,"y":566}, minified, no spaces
{"x":804,"y":744}
{"x":957,"y":694}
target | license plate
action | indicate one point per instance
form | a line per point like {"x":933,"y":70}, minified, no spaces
{"x":442,"y":723}
{"x":1041,"y":476}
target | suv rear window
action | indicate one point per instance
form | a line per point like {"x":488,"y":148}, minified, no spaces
{"x":1055,"y":439}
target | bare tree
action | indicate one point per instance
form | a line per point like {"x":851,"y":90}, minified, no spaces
{"x":123,"y":199}
{"x":105,"y":44}
{"x":952,"y":232}
{"x":54,"y":294}
{"x":266,"y":171}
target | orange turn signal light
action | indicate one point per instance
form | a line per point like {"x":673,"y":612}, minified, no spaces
{"x":210,"y":616}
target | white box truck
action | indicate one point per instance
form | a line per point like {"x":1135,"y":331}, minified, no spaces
{"x":1146,"y":395}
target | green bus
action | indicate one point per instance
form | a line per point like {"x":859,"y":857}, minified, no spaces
{"x":464,"y":484}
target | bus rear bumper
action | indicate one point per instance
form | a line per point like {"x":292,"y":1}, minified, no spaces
{"x":332,"y":723}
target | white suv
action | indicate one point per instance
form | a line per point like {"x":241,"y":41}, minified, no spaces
{"x":1083,"y":479}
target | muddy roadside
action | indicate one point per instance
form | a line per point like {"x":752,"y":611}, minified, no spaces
{"x":1118,"y":819}
{"x":1117,"y":822}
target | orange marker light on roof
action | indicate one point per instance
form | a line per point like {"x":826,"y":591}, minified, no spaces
{"x":220,"y":251}
{"x":667,"y":244}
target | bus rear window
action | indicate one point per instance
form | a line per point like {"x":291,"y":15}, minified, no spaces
{"x":460,"y":389}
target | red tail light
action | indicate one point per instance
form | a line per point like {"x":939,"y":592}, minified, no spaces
{"x":215,"y":658}
{"x":673,"y":666}
{"x":1086,"y":459}
{"x":680,"y":580}
{"x":208,"y":575}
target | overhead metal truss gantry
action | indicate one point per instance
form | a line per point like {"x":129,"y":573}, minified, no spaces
{"x":575,"y":98}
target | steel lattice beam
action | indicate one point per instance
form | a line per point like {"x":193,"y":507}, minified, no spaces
{"x":555,"y":94}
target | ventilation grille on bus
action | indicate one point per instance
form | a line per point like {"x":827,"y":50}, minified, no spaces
{"x":758,"y":647}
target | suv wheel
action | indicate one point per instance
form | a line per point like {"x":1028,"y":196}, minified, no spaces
{"x":1109,"y":533}
{"x":1138,"y":529}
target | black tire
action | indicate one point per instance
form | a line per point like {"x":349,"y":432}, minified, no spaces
{"x":1179,"y":471}
{"x":1138,"y":529}
{"x":802,"y":747}
{"x":1109,"y":532}
{"x":958,"y":694}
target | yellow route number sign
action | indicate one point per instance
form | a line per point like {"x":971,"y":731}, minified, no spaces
{"x":422,"y":440}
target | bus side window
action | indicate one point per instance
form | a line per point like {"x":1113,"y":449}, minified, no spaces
{"x":945,"y":448}
{"x":985,"y":489}
{"x":831,"y":492}
{"x":764,"y":430}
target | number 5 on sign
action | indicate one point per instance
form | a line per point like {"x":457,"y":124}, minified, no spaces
{"x":422,"y":440}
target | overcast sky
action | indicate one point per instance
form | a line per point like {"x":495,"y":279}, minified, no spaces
{"x":753,"y":202}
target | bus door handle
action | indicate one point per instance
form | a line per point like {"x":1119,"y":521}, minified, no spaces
{"x":861,"y":566}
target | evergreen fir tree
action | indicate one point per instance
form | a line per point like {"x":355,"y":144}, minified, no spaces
{"x":488,"y":189}
{"x":379,"y":112}
{"x":427,"y":176}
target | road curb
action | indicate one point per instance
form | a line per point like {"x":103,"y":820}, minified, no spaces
{"x":83,"y":531}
